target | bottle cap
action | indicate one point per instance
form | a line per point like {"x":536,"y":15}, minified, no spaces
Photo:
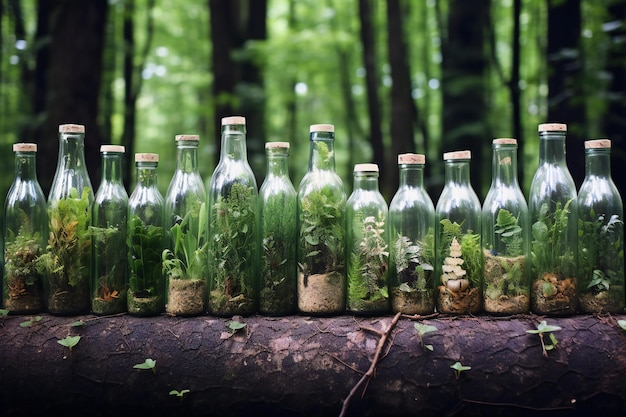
{"x":553,"y":127}
{"x":233,"y":120}
{"x":411,"y":158}
{"x":146,"y":157}
{"x":274,"y":145}
{"x":457,"y":155}
{"x":365,"y":168}
{"x":24,"y":147}
{"x":71,"y":128}
{"x":187,"y":137}
{"x":112,"y":148}
{"x":598,"y":144}
{"x":505,"y":141}
{"x":322,"y":128}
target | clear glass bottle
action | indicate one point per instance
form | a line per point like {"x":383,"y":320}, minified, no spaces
{"x":24,"y":235}
{"x":367,"y":244}
{"x":185,"y":261}
{"x":459,"y":262}
{"x":321,"y":243}
{"x":109,"y":225}
{"x":277,"y":220}
{"x":67,"y":260}
{"x":600,"y":234}
{"x":505,"y":236}
{"x":412,"y":241}
{"x":553,"y":212}
{"x":146,"y":240}
{"x":233,"y":226}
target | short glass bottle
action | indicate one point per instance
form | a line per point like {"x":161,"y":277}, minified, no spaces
{"x":109,"y":225}
{"x":277,"y":220}
{"x":68,"y":257}
{"x":600,"y":234}
{"x":233,"y":226}
{"x":321,"y":244}
{"x":505,"y":236}
{"x":25,"y":232}
{"x":146,"y":240}
{"x":459,"y":261}
{"x":412,"y":241}
{"x":553,"y":211}
{"x":185,"y":261}
{"x":367,"y":244}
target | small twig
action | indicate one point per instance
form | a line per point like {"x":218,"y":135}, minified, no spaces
{"x":367,"y":375}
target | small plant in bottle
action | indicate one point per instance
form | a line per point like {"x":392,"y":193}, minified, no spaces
{"x":111,"y":283}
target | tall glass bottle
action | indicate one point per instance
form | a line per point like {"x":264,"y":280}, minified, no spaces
{"x":459,"y":262}
{"x":277,"y":219}
{"x":600,"y":234}
{"x":109,"y":225}
{"x":367,"y":244}
{"x":68,"y":257}
{"x":146,"y":240}
{"x":505,"y":236}
{"x":321,"y":229}
{"x":233,"y":226}
{"x":553,"y":212}
{"x":412,"y":241}
{"x":185,"y":261}
{"x":25,"y":232}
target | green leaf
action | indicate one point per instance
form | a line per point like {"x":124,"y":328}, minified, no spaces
{"x":69,"y":341}
{"x":235,"y":325}
{"x":77,"y":323}
{"x":460,"y":367}
{"x":147,"y":364}
{"x":424,"y":328}
{"x":622,"y":324}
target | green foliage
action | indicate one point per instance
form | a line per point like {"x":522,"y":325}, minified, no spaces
{"x":30,"y":321}
{"x":69,"y":341}
{"x":542,"y":328}
{"x":145,"y":243}
{"x":471,"y":252}
{"x":188,"y":258}
{"x":422,"y":329}
{"x":622,"y":324}
{"x":417,"y":258}
{"x":3,"y":313}
{"x":507,"y":227}
{"x":235,"y":326}
{"x":148,"y":364}
{"x":548,"y":245}
{"x":110,"y":255}
{"x":20,"y":255}
{"x":458,"y":368}
{"x":367,"y":278}
{"x":180,"y":393}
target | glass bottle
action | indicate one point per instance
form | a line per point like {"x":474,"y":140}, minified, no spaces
{"x":185,"y":257}
{"x":412,"y":241}
{"x":277,"y":219}
{"x":233,"y":223}
{"x":600,"y":234}
{"x":109,"y":225}
{"x":25,"y":232}
{"x":553,"y":212}
{"x":505,"y":236}
{"x":321,"y":243}
{"x":68,"y":257}
{"x":367,"y":244}
{"x":146,"y":240}
{"x":459,"y":262}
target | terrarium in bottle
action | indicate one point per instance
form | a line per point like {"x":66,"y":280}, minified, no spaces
{"x":412,"y":241}
{"x":553,"y":211}
{"x":110,"y":254}
{"x":600,"y":234}
{"x":233,"y":223}
{"x":67,"y":261}
{"x":185,"y":263}
{"x":277,"y":221}
{"x":505,"y":236}
{"x":321,"y":243}
{"x":146,"y":238}
{"x":25,"y":233}
{"x":459,"y":261}
{"x":367,"y":244}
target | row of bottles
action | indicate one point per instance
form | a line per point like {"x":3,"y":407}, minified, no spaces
{"x":228,"y":248}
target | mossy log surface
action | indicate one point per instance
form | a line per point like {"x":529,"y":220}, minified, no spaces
{"x":305,"y":366}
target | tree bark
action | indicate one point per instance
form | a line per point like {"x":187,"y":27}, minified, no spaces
{"x":303,"y":366}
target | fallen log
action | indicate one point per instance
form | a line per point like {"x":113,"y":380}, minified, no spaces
{"x":305,"y":366}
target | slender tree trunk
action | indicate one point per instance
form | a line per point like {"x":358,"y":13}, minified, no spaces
{"x":516,"y":93}
{"x":291,"y":99}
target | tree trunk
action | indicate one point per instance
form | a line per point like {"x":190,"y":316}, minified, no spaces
{"x":303,"y":366}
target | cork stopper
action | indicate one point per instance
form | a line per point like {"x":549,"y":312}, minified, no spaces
{"x":71,"y":128}
{"x":457,"y":155}
{"x":24,"y":147}
{"x":274,"y":145}
{"x":552,"y":127}
{"x":598,"y":144}
{"x":112,"y":148}
{"x":233,"y":120}
{"x":146,"y":157}
{"x":322,"y":128}
{"x":411,"y":159}
{"x":505,"y":141}
{"x":365,"y":168}
{"x":187,"y":137}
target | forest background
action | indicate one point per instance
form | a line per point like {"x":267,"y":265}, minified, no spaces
{"x":393,"y":76}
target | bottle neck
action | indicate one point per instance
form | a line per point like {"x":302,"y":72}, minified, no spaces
{"x":457,"y":171}
{"x":233,"y":142}
{"x":25,"y":165}
{"x":187,"y":156}
{"x":72,"y":151}
{"x":598,"y":162}
{"x":322,"y":151}
{"x":366,"y":181}
{"x":504,"y":165}
{"x":552,"y":147}
{"x":112,"y":167}
{"x":277,"y":162}
{"x":146,"y":174}
{"x":411,"y":175}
